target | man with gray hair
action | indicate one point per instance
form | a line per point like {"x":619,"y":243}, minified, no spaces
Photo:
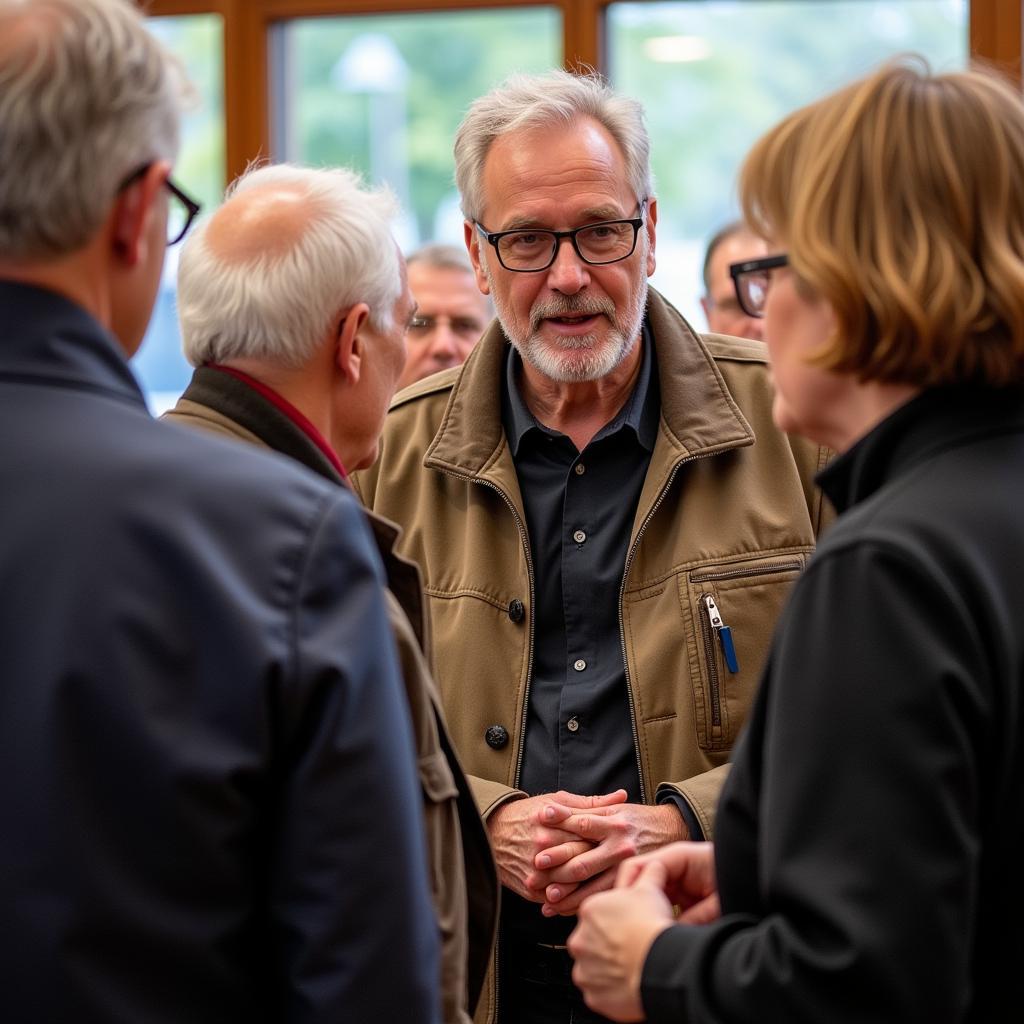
{"x":732,"y":243}
{"x":451,"y":312}
{"x":294,"y":305}
{"x":201,"y":711}
{"x":605,"y":546}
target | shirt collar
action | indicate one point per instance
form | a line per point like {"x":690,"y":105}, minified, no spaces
{"x":289,"y":410}
{"x":639,"y":413}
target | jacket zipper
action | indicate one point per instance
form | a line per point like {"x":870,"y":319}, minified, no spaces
{"x":711,"y":622}
{"x":736,"y":574}
{"x":622,"y":625}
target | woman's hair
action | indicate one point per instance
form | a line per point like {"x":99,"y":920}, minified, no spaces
{"x":900,"y":200}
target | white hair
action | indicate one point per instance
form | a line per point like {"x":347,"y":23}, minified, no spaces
{"x":278,"y":304}
{"x":87,"y":97}
{"x":540,"y":101}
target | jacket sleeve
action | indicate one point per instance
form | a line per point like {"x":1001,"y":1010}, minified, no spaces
{"x":861,"y":772}
{"x":349,"y":903}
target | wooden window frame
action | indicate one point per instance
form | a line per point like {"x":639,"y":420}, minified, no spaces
{"x":995,"y":37}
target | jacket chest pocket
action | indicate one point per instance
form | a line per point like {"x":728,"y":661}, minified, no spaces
{"x":732,"y":610}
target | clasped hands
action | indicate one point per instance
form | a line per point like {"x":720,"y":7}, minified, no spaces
{"x":559,"y":848}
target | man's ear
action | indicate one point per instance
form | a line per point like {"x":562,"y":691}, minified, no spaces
{"x":132,"y":214}
{"x":350,"y":345}
{"x":650,"y":224}
{"x":472,"y":237}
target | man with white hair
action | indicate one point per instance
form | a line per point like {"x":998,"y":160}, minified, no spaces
{"x":294,"y":302}
{"x":201,"y":709}
{"x":605,"y":546}
{"x":451,"y":312}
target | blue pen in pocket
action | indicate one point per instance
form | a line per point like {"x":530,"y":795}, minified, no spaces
{"x":724,"y":634}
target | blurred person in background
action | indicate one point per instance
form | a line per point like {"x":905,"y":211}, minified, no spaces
{"x":730,"y":244}
{"x":201,"y":711}
{"x":451,"y":312}
{"x":866,"y":863}
{"x":294,"y":307}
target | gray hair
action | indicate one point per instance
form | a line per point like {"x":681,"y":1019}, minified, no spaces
{"x":87,"y":97}
{"x":539,"y":101}
{"x":441,"y":257}
{"x":279,"y":304}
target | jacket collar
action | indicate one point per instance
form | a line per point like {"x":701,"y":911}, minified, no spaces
{"x":698,"y":415}
{"x":48,"y":338}
{"x":932,"y":422}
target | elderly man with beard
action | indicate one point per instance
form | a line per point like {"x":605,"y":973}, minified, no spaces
{"x":605,"y":545}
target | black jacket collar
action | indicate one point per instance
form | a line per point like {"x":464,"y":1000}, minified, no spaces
{"x":933,"y":421}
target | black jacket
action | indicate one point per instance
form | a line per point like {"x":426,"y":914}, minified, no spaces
{"x":200,"y":718}
{"x":870,"y":840}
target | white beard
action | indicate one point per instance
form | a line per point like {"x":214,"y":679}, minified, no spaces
{"x":582,"y":357}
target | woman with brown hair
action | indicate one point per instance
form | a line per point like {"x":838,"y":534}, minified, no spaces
{"x":868,"y":862}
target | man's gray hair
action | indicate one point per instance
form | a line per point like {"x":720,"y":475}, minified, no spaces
{"x":87,"y":97}
{"x":441,"y":257}
{"x":540,"y":101}
{"x":278,"y":304}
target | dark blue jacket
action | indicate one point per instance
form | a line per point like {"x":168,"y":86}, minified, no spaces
{"x":209,"y":808}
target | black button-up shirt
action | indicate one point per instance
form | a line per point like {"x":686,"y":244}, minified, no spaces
{"x":579,"y":513}
{"x":579,"y":509}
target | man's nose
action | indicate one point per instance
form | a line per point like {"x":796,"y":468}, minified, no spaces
{"x":568,"y":274}
{"x":443,"y":342}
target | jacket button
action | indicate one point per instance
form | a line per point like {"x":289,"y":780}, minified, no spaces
{"x":516,"y":611}
{"x":496,"y":736}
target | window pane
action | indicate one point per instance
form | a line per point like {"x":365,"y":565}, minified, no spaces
{"x":714,"y":76}
{"x":197,"y":40}
{"x":384,"y":95}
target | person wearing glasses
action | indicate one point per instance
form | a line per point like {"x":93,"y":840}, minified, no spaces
{"x":605,"y":516}
{"x":200,"y":702}
{"x":866,"y":863}
{"x":451,"y":312}
{"x":730,"y":244}
{"x":294,"y":308}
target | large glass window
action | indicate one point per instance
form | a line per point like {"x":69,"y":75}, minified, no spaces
{"x":714,"y":75}
{"x":197,"y":40}
{"x":384,"y":95}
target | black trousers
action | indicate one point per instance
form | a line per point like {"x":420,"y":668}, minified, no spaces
{"x":535,"y":986}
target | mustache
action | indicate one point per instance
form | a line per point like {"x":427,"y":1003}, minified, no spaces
{"x":571,"y":305}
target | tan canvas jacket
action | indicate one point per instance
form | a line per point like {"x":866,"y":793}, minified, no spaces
{"x":463,"y":876}
{"x":719,"y":516}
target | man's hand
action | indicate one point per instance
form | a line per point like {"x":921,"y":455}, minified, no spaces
{"x":603,"y":837}
{"x":520,"y":829}
{"x":610,"y":944}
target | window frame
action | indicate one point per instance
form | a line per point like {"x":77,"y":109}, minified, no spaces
{"x":994,"y":28}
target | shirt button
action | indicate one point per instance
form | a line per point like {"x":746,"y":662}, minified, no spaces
{"x":579,"y":664}
{"x":496,"y":736}
{"x":572,"y":725}
{"x":580,"y":469}
{"x":579,"y":536}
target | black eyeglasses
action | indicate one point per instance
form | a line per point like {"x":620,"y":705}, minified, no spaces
{"x":181,"y":212}
{"x":751,"y":279}
{"x":528,"y":250}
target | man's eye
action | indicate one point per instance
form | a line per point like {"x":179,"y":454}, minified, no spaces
{"x":419,"y":323}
